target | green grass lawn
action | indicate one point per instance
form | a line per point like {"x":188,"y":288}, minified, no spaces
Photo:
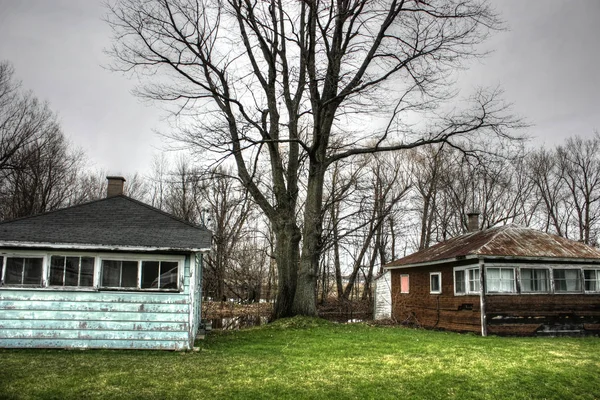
{"x":308,"y":358}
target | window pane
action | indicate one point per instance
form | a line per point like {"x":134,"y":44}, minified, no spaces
{"x":72,"y":271}
{"x":591,"y":280}
{"x":507,"y":277}
{"x":535,"y":280}
{"x":434,"y":283}
{"x":500,"y":280}
{"x":111,"y":273}
{"x":87,"y":271}
{"x":1,"y":265}
{"x":567,"y":280}
{"x":57,"y":270}
{"x":542,"y":280}
{"x":150,"y":274}
{"x":474,"y":280}
{"x":168,"y":275}
{"x":14,"y":271}
{"x":493,"y":280}
{"x":459,"y":281}
{"x":32,"y":274}
{"x":403,"y":283}
{"x":129,"y":274}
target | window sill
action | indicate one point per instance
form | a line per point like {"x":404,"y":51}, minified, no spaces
{"x":134,"y":290}
{"x":50,"y":288}
{"x":86,"y":289}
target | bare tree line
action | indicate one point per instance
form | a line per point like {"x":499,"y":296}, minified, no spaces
{"x":312,"y":101}
{"x":376,"y":206}
{"x":38,"y":168}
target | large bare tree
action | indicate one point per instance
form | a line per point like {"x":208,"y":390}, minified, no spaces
{"x":291,"y":87}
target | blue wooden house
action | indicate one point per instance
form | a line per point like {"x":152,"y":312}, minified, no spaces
{"x":113,"y":273}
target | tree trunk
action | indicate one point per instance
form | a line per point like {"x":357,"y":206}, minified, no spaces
{"x":304,"y":300}
{"x":287,"y":252}
{"x":336,"y":251}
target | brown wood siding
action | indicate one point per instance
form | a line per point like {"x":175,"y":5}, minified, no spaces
{"x":528,"y":314}
{"x":515,"y":315}
{"x":437,"y":311}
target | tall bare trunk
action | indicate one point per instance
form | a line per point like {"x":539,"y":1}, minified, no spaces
{"x":287,"y":251}
{"x":304,"y":300}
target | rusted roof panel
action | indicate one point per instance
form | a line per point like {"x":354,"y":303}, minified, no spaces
{"x":508,"y":241}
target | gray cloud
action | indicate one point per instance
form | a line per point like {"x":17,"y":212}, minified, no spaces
{"x":547,"y":63}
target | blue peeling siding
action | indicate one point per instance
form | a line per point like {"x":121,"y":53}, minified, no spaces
{"x":46,"y":318}
{"x":197,"y":297}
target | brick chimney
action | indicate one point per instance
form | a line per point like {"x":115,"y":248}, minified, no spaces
{"x":115,"y":186}
{"x":473,"y":221}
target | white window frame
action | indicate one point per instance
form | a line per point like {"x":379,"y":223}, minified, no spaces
{"x":501,"y":267}
{"x":18,"y":254}
{"x":139,"y":259}
{"x":551,"y":268}
{"x":46,"y":255}
{"x":439,"y":275}
{"x":408,"y":280}
{"x":465,"y":270}
{"x":569,"y":267}
{"x":597,"y":279}
{"x":65,"y":256}
{"x":550,"y":283}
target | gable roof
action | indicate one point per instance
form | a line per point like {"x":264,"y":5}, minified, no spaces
{"x":117,"y":222}
{"x":501,"y":241}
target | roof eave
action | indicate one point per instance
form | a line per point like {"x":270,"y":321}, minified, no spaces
{"x":100,"y":247}
{"x":435,"y":262}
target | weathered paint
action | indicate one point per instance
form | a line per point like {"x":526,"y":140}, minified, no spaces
{"x":196,"y":296}
{"x":93,"y":306}
{"x":383,"y":296}
{"x":98,"y":344}
{"x":47,"y":318}
{"x":482,"y":290}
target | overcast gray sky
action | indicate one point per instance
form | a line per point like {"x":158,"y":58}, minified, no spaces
{"x":548,"y":63}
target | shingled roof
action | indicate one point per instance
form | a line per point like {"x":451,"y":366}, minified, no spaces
{"x":502,"y":241}
{"x":119,"y":222}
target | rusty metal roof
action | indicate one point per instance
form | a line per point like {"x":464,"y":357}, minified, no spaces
{"x":507,"y":241}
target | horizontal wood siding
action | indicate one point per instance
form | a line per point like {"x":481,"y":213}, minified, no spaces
{"x":196,"y":295}
{"x":383,"y":297}
{"x":533,"y":313}
{"x":46,"y":318}
{"x":439,"y":311}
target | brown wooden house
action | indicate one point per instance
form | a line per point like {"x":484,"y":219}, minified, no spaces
{"x":506,"y":280}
